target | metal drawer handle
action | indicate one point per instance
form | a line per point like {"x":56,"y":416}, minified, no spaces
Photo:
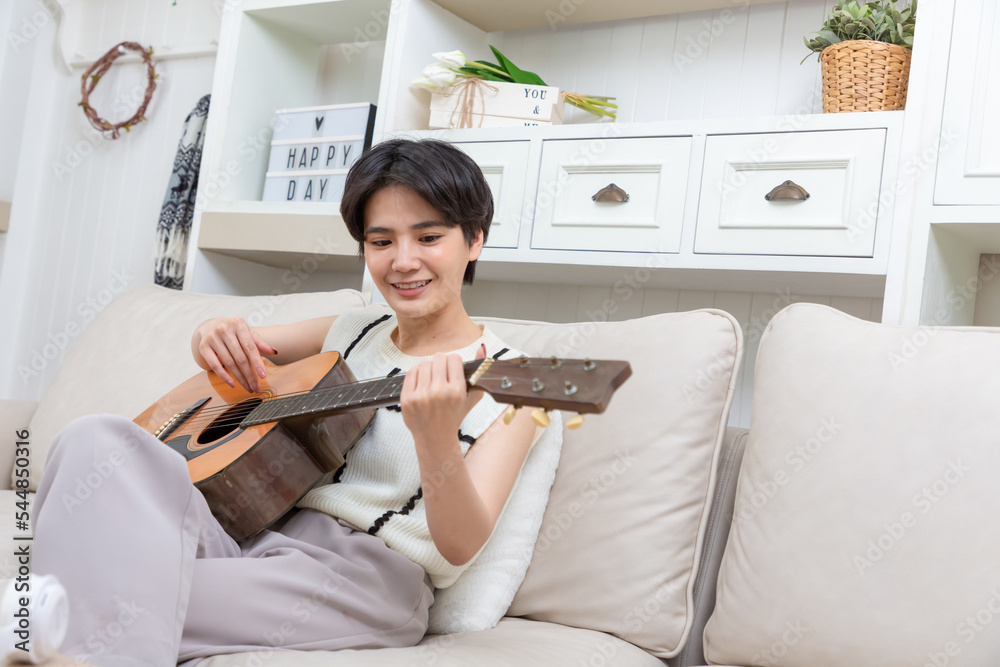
{"x":610,"y":192}
{"x":787,"y":191}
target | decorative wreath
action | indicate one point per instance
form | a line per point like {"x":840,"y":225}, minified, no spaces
{"x":98,"y":69}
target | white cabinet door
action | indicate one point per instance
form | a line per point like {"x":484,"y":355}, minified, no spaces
{"x":968,"y":168}
{"x":649,"y":175}
{"x":748,"y":204}
{"x":505,"y":165}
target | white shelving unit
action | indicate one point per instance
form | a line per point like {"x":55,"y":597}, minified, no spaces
{"x":720,"y":81}
{"x":952,"y":205}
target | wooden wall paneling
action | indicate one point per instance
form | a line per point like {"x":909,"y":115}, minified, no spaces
{"x":503,"y":301}
{"x":760,"y":303}
{"x":695,"y":299}
{"x":562,"y":303}
{"x":622,"y":83}
{"x":690,"y":80}
{"x":592,"y":303}
{"x":655,"y":85}
{"x":561,"y":68}
{"x":859,"y":307}
{"x":799,"y":85}
{"x":656,"y":301}
{"x":740,"y":306}
{"x":98,"y":224}
{"x":476,"y":297}
{"x":598,"y":66}
{"x":91,"y":27}
{"x":532,"y":301}
{"x":52,"y":290}
{"x":725,"y":32}
{"x":759,"y":91}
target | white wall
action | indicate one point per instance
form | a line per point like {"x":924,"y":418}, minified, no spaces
{"x":84,"y":207}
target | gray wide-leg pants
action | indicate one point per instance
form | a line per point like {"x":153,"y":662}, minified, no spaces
{"x":153,"y":579}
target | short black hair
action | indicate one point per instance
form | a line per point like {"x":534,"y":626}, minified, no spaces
{"x":446,"y":178}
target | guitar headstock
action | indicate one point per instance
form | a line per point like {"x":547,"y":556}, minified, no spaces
{"x":579,"y":385}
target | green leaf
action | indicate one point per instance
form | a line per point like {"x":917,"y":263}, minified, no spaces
{"x":482,"y":73}
{"x":517,"y":74}
{"x":830,"y":37}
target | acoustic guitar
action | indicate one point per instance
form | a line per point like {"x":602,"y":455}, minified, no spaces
{"x":254,"y":455}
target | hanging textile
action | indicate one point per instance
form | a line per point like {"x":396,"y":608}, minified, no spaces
{"x":174,"y":225}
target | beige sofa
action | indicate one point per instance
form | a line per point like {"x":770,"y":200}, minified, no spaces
{"x":864,"y":508}
{"x":619,"y":574}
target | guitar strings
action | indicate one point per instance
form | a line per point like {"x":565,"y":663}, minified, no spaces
{"x":214,"y":411}
{"x":264,"y":399}
{"x":240,"y":412}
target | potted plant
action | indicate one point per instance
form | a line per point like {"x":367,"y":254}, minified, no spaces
{"x":864,"y":55}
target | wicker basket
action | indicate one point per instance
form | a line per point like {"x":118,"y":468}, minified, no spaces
{"x":861,"y":75}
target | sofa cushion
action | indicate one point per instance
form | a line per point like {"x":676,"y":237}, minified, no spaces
{"x":514,"y":641}
{"x":865,"y":518}
{"x":139,"y":348}
{"x":621,"y":538}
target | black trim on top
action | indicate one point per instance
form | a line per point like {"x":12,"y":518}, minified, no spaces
{"x":501,"y":353}
{"x":364,"y":331}
{"x":394,"y":408}
{"x":340,"y":472}
{"x":410,"y":504}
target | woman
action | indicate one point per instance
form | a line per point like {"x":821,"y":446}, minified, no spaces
{"x":354,"y":566}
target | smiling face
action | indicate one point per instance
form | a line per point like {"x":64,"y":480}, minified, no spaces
{"x":415,"y":258}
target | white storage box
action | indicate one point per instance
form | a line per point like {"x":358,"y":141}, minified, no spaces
{"x":499,"y":98}
{"x":447,"y":119}
{"x":312,"y":150}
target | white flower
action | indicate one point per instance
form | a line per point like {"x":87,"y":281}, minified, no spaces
{"x":424,"y":82}
{"x":439,"y":75}
{"x":453,"y":59}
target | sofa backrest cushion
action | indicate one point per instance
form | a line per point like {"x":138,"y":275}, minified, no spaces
{"x":865,"y":517}
{"x":139,"y":348}
{"x":621,"y":538}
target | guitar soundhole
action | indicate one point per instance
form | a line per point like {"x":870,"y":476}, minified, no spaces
{"x":228,"y":421}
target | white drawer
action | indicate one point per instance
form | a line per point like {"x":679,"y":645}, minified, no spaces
{"x":651,"y":170}
{"x":505,"y":166}
{"x":840,"y":172}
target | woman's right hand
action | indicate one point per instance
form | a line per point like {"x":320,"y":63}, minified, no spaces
{"x":232,"y":348}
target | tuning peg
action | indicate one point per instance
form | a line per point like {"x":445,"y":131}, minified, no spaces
{"x":508,"y":415}
{"x":575,"y":422}
{"x":540,"y":417}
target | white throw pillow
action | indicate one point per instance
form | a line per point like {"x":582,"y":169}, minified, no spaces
{"x":864,"y":530}
{"x":482,"y":594}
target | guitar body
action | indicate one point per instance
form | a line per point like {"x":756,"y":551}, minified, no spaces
{"x":252,"y":476}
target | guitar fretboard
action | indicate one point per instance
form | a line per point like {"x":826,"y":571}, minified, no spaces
{"x":354,"y":396}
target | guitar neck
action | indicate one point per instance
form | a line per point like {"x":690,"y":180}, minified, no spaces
{"x":361,"y":395}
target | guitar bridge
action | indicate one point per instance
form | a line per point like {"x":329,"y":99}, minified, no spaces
{"x":175,"y":422}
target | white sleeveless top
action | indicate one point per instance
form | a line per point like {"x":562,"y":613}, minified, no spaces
{"x":378,"y":487}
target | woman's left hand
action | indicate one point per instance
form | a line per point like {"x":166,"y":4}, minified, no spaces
{"x":434,"y":399}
